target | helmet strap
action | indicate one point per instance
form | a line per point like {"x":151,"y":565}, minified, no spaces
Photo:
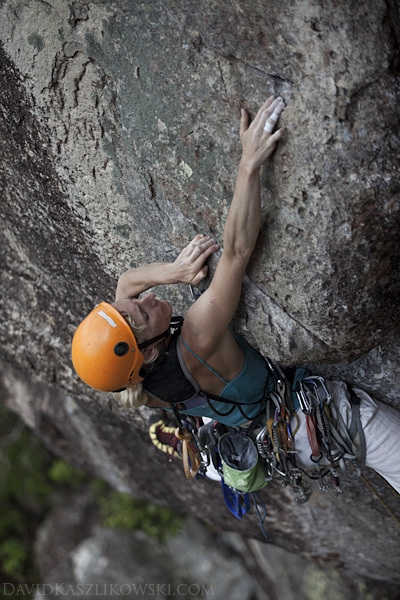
{"x":147,"y":343}
{"x":176,"y":324}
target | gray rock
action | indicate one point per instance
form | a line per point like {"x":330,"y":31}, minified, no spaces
{"x":142,"y":105}
{"x":109,"y":562}
{"x":119,"y":141}
{"x":63,"y":529}
{"x":197,"y":563}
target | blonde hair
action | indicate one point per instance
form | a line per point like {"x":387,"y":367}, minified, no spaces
{"x":135,"y":396}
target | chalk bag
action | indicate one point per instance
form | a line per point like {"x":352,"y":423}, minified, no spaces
{"x":241,"y":465}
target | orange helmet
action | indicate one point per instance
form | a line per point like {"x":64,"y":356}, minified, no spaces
{"x":105,"y":353}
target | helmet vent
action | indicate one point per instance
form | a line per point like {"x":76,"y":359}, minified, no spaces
{"x":121,"y":349}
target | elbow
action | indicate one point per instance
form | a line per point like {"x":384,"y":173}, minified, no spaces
{"x":240,"y":258}
{"x":120,"y":291}
{"x":238,"y":251}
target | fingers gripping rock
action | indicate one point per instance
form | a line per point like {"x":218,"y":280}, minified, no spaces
{"x":278,"y":106}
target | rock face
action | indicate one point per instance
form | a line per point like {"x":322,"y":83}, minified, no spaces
{"x":119,"y":141}
{"x":196,"y":562}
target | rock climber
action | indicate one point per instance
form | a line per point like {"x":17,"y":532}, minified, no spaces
{"x":130,"y":348}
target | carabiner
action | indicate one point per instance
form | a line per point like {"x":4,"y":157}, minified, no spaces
{"x":276,"y":400}
{"x":313,"y":379}
{"x":260,"y":442}
{"x":305,"y":404}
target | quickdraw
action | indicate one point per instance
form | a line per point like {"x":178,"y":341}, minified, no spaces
{"x":327,"y":434}
{"x":275,"y":443}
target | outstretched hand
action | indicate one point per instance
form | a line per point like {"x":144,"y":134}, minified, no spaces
{"x":190,"y":265}
{"x":258,"y":141}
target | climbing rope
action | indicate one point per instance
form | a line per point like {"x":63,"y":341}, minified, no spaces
{"x":381,"y":500}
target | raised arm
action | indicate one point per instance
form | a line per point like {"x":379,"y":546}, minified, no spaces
{"x":189,"y":267}
{"x":244,"y":218}
{"x":219,"y":303}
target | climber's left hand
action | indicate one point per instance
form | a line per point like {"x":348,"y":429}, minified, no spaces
{"x":190,"y":265}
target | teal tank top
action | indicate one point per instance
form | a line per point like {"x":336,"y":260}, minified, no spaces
{"x":253,"y":383}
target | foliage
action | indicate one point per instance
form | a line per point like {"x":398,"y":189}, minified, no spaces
{"x":13,"y":554}
{"x":122,"y":511}
{"x":63,"y":473}
{"x":118,"y":509}
{"x":24,"y":489}
{"x":31,"y":480}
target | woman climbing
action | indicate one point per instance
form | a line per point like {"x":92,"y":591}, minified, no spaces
{"x":201,"y":365}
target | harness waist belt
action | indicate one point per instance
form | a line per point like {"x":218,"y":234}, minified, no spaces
{"x":194,"y":402}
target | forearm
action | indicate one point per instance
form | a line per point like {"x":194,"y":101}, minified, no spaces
{"x":243,"y":223}
{"x":135,"y":281}
{"x":258,"y":143}
{"x":189,"y":267}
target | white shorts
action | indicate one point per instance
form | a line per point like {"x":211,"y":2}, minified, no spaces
{"x":381,"y":427}
{"x":211,"y":472}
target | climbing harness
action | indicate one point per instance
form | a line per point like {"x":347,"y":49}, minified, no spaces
{"x":262,"y":449}
{"x":248,"y":457}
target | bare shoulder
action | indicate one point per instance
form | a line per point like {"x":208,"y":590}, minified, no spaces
{"x":207,"y":320}
{"x":223,"y":355}
{"x":203,"y":341}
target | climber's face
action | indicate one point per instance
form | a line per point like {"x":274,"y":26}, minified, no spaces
{"x":150,"y":312}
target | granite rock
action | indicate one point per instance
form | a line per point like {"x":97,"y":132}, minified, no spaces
{"x":119,"y":141}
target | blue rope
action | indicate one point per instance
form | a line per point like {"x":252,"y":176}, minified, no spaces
{"x":256,"y":498}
